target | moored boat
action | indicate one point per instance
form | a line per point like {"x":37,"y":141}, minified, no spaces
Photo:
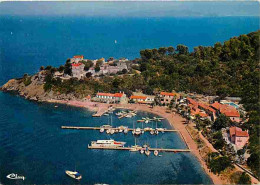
{"x":74,"y":174}
{"x":107,"y":143}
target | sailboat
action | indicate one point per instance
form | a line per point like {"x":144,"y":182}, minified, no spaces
{"x":156,"y":151}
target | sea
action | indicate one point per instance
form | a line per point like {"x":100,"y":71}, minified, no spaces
{"x":32,"y":143}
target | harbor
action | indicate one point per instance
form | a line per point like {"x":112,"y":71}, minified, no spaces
{"x":116,"y":128}
{"x":138,"y":149}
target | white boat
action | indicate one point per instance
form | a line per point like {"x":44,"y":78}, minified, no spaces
{"x":107,"y":143}
{"x":74,"y":175}
{"x":137,"y":131}
{"x":112,"y":131}
{"x":152,"y":132}
{"x":142,"y":151}
{"x":147,"y":152}
{"x":126,"y":130}
{"x":108,"y":131}
{"x":156,"y":132}
{"x":106,"y":114}
{"x":133,"y":149}
{"x":155,"y":152}
{"x":106,"y":126}
{"x":101,"y":130}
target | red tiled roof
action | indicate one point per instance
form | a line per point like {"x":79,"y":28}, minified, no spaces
{"x":110,"y":94}
{"x":78,"y":56}
{"x":76,"y":65}
{"x":238,"y":132}
{"x":230,"y":113}
{"x":193,"y":102}
{"x":206,"y":107}
{"x":167,"y":94}
{"x":105,"y":94}
{"x":216,"y":105}
{"x":138,"y":97}
{"x":118,"y":95}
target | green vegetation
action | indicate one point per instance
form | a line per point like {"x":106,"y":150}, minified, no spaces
{"x":221,"y":122}
{"x":244,"y":179}
{"x":27,"y":80}
{"x":228,"y":69}
{"x":217,"y":164}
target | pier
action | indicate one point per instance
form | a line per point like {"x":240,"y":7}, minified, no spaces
{"x":151,"y":149}
{"x":98,"y":128}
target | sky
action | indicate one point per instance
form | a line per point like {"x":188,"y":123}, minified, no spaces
{"x":132,"y":9}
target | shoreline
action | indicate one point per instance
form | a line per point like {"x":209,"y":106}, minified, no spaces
{"x":175,"y":120}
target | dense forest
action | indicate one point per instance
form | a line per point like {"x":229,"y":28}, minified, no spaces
{"x":228,"y":69}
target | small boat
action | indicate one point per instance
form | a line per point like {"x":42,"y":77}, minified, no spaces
{"x":147,"y":152}
{"x":142,"y":151}
{"x":108,"y":131}
{"x":152,"y":132}
{"x":101,"y":129}
{"x":133,"y":149}
{"x":125,"y":130}
{"x":56,"y":106}
{"x":106,"y":114}
{"x":156,"y":132}
{"x":112,"y":131}
{"x":160,"y":155}
{"x":74,"y":175}
{"x":155,"y":152}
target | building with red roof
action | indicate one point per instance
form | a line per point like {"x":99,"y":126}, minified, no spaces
{"x":167,"y":97}
{"x":142,"y":99}
{"x":238,"y":137}
{"x":110,"y":98}
{"x":227,"y":110}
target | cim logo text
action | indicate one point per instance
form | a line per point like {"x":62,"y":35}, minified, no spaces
{"x":15,"y":176}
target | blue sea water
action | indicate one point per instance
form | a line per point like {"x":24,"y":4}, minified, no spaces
{"x":31,"y":140}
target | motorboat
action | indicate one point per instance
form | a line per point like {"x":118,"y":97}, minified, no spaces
{"x":74,"y":174}
{"x":152,"y":132}
{"x":102,"y":129}
{"x":142,"y":150}
{"x":147,"y":152}
{"x":107,"y":143}
{"x":126,"y":130}
{"x":155,"y":152}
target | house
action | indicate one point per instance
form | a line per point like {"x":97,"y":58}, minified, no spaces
{"x":110,"y":98}
{"x":199,"y":108}
{"x":142,"y":99}
{"x":166,"y":97}
{"x":238,"y":137}
{"x":78,"y":70}
{"x":227,"y":110}
{"x":76,"y":58}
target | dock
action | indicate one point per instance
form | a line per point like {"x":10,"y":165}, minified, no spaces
{"x":98,"y":128}
{"x":151,"y":149}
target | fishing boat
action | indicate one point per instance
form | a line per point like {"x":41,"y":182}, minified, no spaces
{"x":74,"y":175}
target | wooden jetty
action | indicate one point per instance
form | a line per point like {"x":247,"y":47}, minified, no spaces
{"x":98,"y":128}
{"x":151,"y":149}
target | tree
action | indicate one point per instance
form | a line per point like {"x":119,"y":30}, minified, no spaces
{"x":221,"y":122}
{"x":97,"y":69}
{"x":41,"y":68}
{"x":124,"y":71}
{"x":88,"y":74}
{"x":244,"y":179}
{"x":67,"y":68}
{"x":61,"y":68}
{"x":170,"y":50}
{"x":182,"y":49}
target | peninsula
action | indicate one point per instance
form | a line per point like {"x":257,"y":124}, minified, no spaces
{"x":211,"y":95}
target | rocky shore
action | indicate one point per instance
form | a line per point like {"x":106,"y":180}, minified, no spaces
{"x":35,"y":90}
